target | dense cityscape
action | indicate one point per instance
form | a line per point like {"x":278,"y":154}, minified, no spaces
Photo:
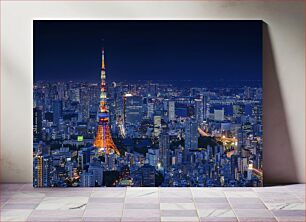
{"x":161,"y":133}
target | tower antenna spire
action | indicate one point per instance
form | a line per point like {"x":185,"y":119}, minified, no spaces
{"x":103,"y":140}
{"x":102,"y":44}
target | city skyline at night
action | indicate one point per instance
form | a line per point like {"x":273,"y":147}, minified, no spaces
{"x":199,"y":127}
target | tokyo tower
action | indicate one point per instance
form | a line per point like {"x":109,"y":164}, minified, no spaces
{"x":103,"y":140}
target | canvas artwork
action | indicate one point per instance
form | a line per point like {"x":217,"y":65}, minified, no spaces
{"x":147,"y":103}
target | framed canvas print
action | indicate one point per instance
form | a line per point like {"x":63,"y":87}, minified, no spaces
{"x":144,"y":103}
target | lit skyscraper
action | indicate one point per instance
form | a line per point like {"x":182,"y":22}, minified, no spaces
{"x":205,"y":108}
{"x":148,"y":176}
{"x":199,"y":114}
{"x":87,"y":179}
{"x":157,"y":125}
{"x":42,"y":171}
{"x":133,"y":110}
{"x":238,"y":110}
{"x":191,"y":134}
{"x":164,"y":146}
{"x":37,"y":124}
{"x":150,"y":110}
{"x":84,"y":105}
{"x":171,"y":110}
{"x":38,"y":171}
{"x":75,"y":95}
{"x":47,"y":168}
{"x":57,"y":111}
{"x":153,"y":156}
{"x":219,"y":114}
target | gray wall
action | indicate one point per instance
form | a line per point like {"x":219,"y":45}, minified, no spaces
{"x":284,"y":79}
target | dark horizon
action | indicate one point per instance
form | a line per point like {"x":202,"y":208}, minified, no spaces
{"x":199,"y":51}
{"x":175,"y":83}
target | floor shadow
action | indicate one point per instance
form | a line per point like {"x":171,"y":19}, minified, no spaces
{"x":278,"y":160}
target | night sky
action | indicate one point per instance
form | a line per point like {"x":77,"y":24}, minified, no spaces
{"x":148,"y":50}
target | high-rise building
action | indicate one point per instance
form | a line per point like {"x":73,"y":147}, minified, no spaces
{"x":150,"y":110}
{"x":87,"y":179}
{"x":84,"y":105}
{"x":234,"y":166}
{"x":205,"y":108}
{"x":147,"y":176}
{"x":38,"y":171}
{"x":37,"y":124}
{"x":153,"y":156}
{"x":250,"y":171}
{"x":57,"y":111}
{"x":219,"y":114}
{"x":238,"y":110}
{"x":157,"y":125}
{"x":191,"y":134}
{"x":110,"y":162}
{"x":257,"y":112}
{"x":42,"y":166}
{"x":134,"y":110}
{"x":164,"y":147}
{"x":75,"y":95}
{"x":171,"y":110}
{"x":81,"y":160}
{"x":199,"y":112}
{"x":247,"y":92}
{"x":47,"y":168}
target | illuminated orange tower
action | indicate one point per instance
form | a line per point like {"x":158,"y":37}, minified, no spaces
{"x":103,"y":140}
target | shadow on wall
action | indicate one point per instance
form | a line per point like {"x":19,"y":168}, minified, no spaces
{"x":278,"y":160}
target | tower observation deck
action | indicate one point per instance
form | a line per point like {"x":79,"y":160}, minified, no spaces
{"x":103,"y":140}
